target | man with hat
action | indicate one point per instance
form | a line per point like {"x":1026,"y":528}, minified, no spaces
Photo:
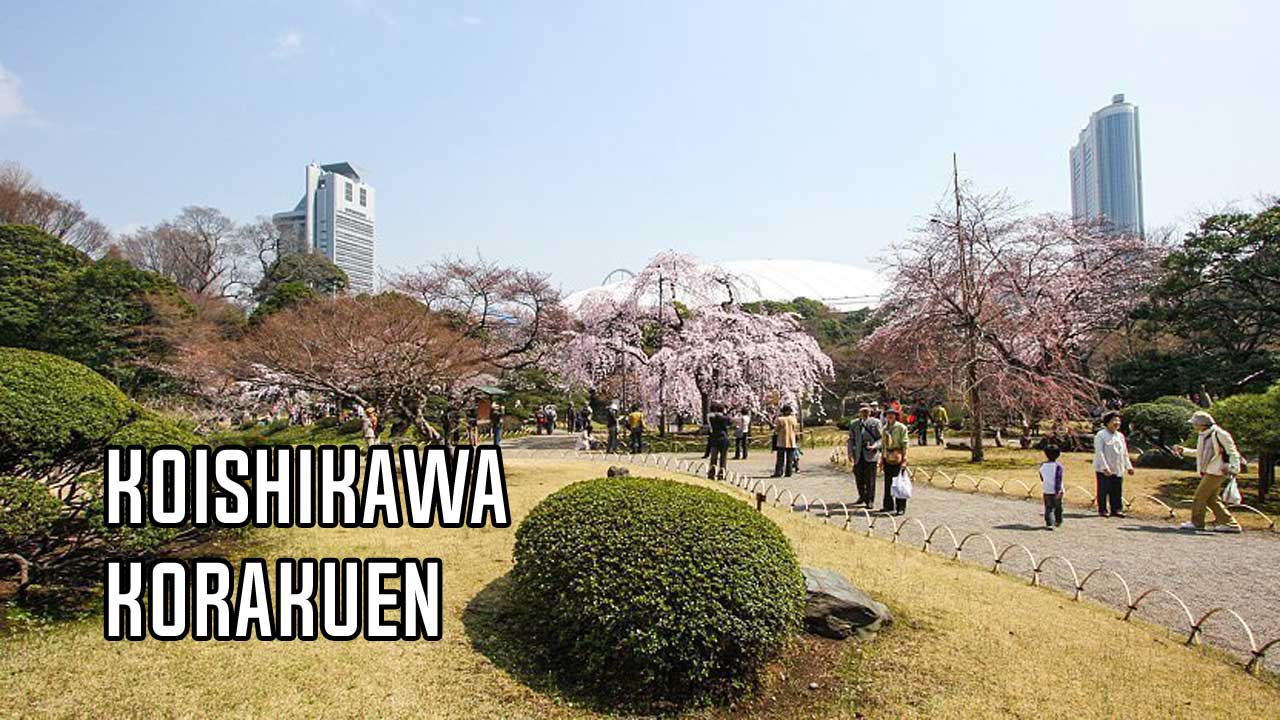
{"x":1217,"y":459}
{"x":864,"y":454}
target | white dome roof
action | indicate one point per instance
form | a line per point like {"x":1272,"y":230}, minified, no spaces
{"x":841,"y":287}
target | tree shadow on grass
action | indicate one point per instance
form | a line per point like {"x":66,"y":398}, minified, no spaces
{"x":492,"y":624}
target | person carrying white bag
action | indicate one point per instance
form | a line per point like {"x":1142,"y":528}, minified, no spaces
{"x":1218,"y":462}
{"x":902,"y":487}
{"x":893,"y":458}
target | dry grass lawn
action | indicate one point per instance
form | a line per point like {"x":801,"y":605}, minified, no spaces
{"x":967,"y":644}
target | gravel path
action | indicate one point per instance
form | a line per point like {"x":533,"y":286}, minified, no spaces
{"x":1205,"y":570}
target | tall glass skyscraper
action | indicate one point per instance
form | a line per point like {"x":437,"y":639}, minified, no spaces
{"x":1106,"y":169}
{"x":334,"y":218}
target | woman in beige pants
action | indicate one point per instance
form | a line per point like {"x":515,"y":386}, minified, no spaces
{"x":1216,"y":459}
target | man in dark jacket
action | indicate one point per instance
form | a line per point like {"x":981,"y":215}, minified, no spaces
{"x":718,"y":426}
{"x":611,"y":422}
{"x":864,"y":454}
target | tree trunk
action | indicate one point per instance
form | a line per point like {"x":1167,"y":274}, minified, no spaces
{"x":976,"y":453}
{"x":1266,"y":474}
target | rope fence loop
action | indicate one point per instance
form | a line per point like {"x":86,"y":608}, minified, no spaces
{"x":990,"y":542}
{"x":928,"y":541}
{"x":1075,"y":579}
{"x":1128,"y":595}
{"x":1161,"y":591}
{"x":924,"y":531}
{"x":871,"y":525}
{"x":1248,"y":632}
{"x":1030,"y":557}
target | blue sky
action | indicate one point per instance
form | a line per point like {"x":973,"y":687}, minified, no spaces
{"x":576,"y":137}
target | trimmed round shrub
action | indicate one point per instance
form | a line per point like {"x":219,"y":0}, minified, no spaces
{"x":653,"y":592}
{"x":1176,"y":400}
{"x":56,"y":418}
{"x":55,"y":412}
{"x":151,"y":430}
{"x":1159,"y":423}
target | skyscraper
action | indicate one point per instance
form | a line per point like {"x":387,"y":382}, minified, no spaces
{"x":1106,"y":168}
{"x":334,"y":218}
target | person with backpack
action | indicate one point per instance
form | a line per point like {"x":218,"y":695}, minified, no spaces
{"x":864,"y":455}
{"x":893,"y":457}
{"x":551,"y":419}
{"x":1218,"y":462}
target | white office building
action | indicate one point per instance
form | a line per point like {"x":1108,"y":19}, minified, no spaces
{"x":335,"y":218}
{"x":1106,"y":169}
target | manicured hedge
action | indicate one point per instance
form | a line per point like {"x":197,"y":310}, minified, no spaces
{"x":644,"y":591}
{"x":55,"y":412}
{"x":56,"y":419}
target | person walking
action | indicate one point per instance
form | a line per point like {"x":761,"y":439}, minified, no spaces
{"x":551,"y":419}
{"x":741,"y":434}
{"x":893,"y":457}
{"x":864,"y":455}
{"x":940,"y":418}
{"x":473,"y":428}
{"x":635,"y":423}
{"x":611,"y":423}
{"x":540,"y":420}
{"x":496,"y":412}
{"x":1110,"y":464}
{"x":1217,"y":461}
{"x":719,"y":424}
{"x":786,"y":436}
{"x":922,"y":423}
{"x":1051,"y":479}
{"x":571,"y":418}
{"x":368,"y":426}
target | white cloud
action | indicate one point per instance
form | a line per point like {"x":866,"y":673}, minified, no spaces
{"x":12,"y":106}
{"x":288,"y":44}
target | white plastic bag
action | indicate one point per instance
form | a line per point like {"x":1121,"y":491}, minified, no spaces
{"x":1231,"y":493}
{"x":901,"y":488}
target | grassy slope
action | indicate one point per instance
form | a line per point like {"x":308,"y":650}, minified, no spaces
{"x":967,"y":644}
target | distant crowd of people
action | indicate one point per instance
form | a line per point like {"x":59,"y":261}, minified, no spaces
{"x":878,"y":442}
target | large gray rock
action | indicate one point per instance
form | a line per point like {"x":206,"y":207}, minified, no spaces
{"x":836,"y":609}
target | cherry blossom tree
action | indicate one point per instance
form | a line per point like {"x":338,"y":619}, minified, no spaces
{"x":677,"y":336}
{"x":387,"y":350}
{"x":1007,"y":310}
{"x":515,"y":314}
